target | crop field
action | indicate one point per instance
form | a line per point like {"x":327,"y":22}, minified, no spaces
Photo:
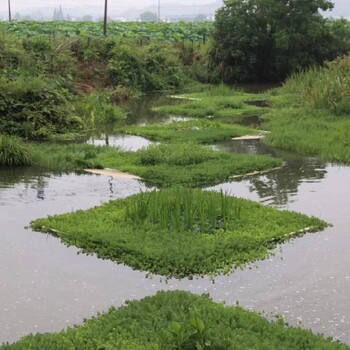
{"x":194,"y":31}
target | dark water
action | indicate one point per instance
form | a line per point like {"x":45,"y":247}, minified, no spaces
{"x":46,"y":286}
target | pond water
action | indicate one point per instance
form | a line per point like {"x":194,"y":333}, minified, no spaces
{"x":46,"y":286}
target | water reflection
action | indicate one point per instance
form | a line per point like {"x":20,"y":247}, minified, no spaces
{"x":277,"y":187}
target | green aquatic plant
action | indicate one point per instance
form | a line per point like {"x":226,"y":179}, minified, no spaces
{"x":178,"y":321}
{"x":199,"y":131}
{"x":14,"y":152}
{"x":179,"y":232}
{"x":186,"y":164}
{"x":183,"y":209}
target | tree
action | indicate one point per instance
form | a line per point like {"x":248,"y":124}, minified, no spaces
{"x":148,"y":16}
{"x":266,"y":40}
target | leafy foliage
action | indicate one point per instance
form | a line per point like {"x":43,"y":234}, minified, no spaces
{"x":35,"y":109}
{"x":266,"y":40}
{"x":169,"y":248}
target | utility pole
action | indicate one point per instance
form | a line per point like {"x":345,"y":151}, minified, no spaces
{"x":158,"y":10}
{"x":10,"y":17}
{"x":105,"y":20}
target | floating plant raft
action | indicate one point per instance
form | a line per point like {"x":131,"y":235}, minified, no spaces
{"x":179,"y":232}
{"x":156,"y":322}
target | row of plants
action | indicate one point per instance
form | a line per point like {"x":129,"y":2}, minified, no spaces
{"x":192,"y":31}
{"x":179,"y":321}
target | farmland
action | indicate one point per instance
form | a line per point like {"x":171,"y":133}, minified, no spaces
{"x":172,"y":32}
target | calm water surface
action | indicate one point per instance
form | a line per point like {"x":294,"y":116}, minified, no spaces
{"x":46,"y":286}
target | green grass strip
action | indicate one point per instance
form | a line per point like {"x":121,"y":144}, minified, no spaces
{"x":200,"y":131}
{"x":247,"y":233}
{"x":179,"y":320}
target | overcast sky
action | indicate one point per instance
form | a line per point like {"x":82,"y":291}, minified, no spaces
{"x":342,"y":7}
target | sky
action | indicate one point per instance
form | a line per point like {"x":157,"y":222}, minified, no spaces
{"x":92,"y":7}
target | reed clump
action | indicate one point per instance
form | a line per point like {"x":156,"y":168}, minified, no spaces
{"x":183,"y":209}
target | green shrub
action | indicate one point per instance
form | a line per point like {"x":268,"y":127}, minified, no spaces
{"x":35,"y":109}
{"x":14,"y":152}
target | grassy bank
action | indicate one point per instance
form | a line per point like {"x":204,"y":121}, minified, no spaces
{"x":199,"y":131}
{"x":311,"y":114}
{"x":178,"y":320}
{"x":179,"y":232}
{"x":311,"y":132}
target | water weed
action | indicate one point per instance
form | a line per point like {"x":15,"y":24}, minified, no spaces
{"x":229,"y":107}
{"x":187,"y":164}
{"x":178,"y":320}
{"x":206,"y":238}
{"x":200,"y":131}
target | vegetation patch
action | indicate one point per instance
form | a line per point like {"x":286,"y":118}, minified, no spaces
{"x":311,"y":132}
{"x":311,"y":113}
{"x":200,"y":131}
{"x":186,"y":164}
{"x":179,"y":320}
{"x":179,"y":232}
{"x":14,"y":152}
{"x":165,"y":164}
{"x":220,"y":102}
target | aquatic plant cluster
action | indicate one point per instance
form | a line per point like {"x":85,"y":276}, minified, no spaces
{"x":181,"y":321}
{"x":179,"y":232}
{"x":182,"y":209}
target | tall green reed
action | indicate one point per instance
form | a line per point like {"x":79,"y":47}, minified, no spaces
{"x":183,"y":209}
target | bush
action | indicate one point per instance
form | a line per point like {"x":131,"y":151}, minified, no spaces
{"x":36,"y":109}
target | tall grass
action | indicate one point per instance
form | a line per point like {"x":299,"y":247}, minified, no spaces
{"x":183,"y":209}
{"x":181,"y":154}
{"x":324,"y":88}
{"x":14,"y":152}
